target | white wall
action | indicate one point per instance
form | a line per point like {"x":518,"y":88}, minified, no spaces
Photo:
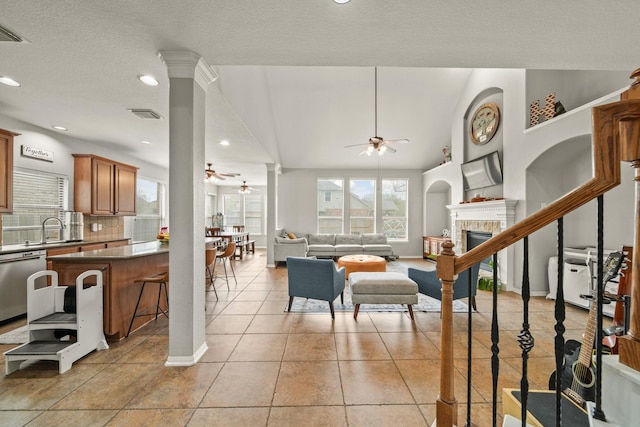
{"x":522,"y":146}
{"x":297,"y":210}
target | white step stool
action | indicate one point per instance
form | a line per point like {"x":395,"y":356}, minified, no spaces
{"x":46,"y":315}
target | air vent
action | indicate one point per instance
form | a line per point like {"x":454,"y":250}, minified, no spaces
{"x":145,"y":114}
{"x":6,"y":35}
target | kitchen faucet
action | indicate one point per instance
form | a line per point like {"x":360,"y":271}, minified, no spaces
{"x":44,"y":237}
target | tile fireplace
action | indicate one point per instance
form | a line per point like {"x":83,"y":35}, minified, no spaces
{"x":489,"y":217}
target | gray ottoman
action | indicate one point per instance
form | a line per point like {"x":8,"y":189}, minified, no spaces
{"x":382,"y":288}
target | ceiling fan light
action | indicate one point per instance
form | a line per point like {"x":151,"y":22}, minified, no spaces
{"x":382,"y":149}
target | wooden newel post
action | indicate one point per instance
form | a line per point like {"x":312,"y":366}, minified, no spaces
{"x":446,"y":405}
{"x":629,"y":136}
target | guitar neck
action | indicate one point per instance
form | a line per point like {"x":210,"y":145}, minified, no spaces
{"x":611,"y":268}
{"x":586,"y":350}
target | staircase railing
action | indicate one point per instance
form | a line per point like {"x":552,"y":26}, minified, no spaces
{"x":616,"y":138}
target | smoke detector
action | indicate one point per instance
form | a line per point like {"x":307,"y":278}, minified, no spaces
{"x":145,"y":113}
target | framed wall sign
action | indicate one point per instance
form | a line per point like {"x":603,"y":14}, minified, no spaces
{"x":36,"y":153}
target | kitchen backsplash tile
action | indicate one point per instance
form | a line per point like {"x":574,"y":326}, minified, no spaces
{"x":108,"y":228}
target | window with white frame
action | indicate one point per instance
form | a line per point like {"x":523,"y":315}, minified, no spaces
{"x":362,"y":206}
{"x":330,"y":205}
{"x":253,"y":216}
{"x":231,"y":210}
{"x":149,"y":209}
{"x":36,"y":196}
{"x":395,"y":208}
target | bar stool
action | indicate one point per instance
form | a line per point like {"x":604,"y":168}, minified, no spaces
{"x":227,"y":255}
{"x":210,"y":266}
{"x":161,"y":279}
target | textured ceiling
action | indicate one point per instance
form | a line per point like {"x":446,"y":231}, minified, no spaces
{"x":296,"y":76}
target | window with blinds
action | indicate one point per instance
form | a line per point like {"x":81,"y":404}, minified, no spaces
{"x":36,"y":196}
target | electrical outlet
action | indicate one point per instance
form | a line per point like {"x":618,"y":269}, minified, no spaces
{"x":100,"y":227}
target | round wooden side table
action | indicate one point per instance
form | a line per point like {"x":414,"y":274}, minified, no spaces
{"x":353,"y":263}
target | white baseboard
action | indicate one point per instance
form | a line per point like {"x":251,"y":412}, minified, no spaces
{"x":187,"y":360}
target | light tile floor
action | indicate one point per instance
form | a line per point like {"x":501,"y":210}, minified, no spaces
{"x":266,"y":367}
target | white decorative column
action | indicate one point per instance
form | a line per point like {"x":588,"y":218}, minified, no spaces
{"x":189,"y":77}
{"x":272,"y":209}
{"x":488,"y":217}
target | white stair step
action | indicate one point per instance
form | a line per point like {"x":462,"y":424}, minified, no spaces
{"x":39,"y":348}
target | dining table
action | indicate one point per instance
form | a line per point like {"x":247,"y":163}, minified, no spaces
{"x":238,"y":237}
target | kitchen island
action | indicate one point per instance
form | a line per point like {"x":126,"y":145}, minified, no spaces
{"x":120,"y":266}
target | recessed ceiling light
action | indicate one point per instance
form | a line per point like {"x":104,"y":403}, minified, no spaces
{"x":9,"y":81}
{"x":148,"y":80}
{"x":62,"y":128}
{"x":341,"y":1}
{"x":145,"y":142}
{"x":224,"y":142}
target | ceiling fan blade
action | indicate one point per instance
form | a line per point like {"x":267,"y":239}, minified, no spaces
{"x":396,"y":141}
{"x":230,"y":175}
{"x":391,"y":149}
{"x":218,"y":176}
{"x":355,"y":145}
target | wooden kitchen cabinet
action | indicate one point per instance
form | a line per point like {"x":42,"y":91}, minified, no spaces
{"x":6,"y":170}
{"x":118,"y":243}
{"x":103,"y":186}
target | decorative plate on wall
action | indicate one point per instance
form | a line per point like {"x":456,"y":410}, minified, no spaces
{"x":484,"y":123}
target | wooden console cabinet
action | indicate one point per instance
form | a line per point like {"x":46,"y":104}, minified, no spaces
{"x":103,"y":186}
{"x":6,"y":170}
{"x":432,"y":246}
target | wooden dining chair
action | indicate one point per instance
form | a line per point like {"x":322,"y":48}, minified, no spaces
{"x":212,"y":231}
{"x":238,"y":228}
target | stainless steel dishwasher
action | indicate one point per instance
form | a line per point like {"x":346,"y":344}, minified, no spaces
{"x":14,"y":270}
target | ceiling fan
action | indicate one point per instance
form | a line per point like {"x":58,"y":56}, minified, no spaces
{"x":245,"y":189}
{"x":210,"y":174}
{"x":378,"y":143}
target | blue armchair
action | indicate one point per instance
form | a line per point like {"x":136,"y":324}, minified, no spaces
{"x":429,"y":284}
{"x":315,"y":278}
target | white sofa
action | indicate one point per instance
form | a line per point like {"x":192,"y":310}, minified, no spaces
{"x":330,"y":245}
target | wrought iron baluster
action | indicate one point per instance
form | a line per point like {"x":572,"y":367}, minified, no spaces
{"x":559,"y":326}
{"x":495,"y":338}
{"x":469,"y":359}
{"x":598,"y":413}
{"x":525,"y":339}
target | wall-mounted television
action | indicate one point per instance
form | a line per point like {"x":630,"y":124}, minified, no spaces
{"x":482,"y":172}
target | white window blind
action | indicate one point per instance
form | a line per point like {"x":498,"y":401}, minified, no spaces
{"x":36,"y":196}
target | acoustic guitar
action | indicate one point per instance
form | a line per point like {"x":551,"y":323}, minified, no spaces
{"x":578,"y":377}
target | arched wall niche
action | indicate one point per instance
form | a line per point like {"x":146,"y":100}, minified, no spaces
{"x":556,"y":172}
{"x":437,"y":216}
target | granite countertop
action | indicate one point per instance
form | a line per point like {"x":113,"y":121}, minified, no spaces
{"x":35,"y":246}
{"x":120,"y":252}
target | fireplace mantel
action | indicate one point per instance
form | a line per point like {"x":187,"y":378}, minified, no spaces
{"x":493,"y":217}
{"x":500,"y":210}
